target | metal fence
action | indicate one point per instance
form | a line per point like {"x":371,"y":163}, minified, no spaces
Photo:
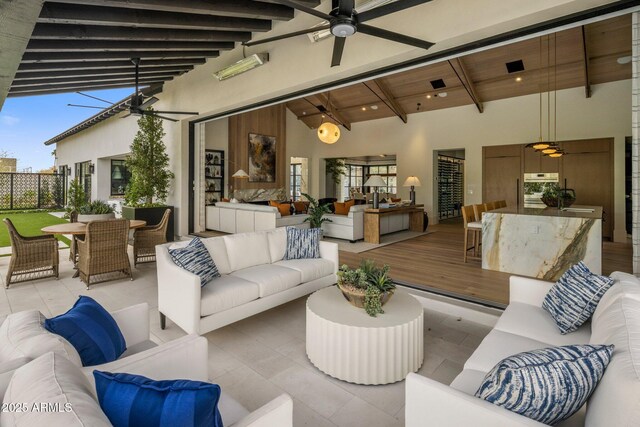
{"x":19,"y":191}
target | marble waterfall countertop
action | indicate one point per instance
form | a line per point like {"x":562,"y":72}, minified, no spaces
{"x":542,"y":243}
{"x":574,"y":211}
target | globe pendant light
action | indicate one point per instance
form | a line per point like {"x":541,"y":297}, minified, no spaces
{"x":328,"y":133}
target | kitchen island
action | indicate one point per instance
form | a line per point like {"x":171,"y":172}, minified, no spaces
{"x":542,"y":243}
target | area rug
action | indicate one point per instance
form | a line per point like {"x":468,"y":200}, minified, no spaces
{"x":389,"y":239}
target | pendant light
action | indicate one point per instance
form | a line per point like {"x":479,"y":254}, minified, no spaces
{"x":328,"y":132}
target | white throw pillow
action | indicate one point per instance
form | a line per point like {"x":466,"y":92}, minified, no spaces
{"x":247,"y":250}
{"x":50,"y":391}
{"x":23,"y":335}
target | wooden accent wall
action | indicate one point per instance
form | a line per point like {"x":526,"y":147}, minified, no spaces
{"x":266,"y":121}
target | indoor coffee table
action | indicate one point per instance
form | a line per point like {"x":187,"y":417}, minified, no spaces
{"x":345,"y":342}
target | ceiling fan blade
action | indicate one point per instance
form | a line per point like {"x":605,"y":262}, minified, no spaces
{"x":338,"y":48}
{"x":145,"y":113}
{"x":190,"y":113}
{"x":94,"y":97}
{"x":396,"y":37}
{"x":85,"y":106}
{"x":149,"y":102}
{"x":286,"y":36}
{"x":302,"y":8}
{"x":388,"y":9}
{"x":345,"y":7}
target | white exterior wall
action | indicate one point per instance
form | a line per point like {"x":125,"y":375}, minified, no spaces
{"x":296,"y":64}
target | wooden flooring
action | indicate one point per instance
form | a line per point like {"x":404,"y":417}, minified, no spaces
{"x":434,"y":262}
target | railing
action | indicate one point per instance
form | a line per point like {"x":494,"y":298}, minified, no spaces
{"x":19,"y":191}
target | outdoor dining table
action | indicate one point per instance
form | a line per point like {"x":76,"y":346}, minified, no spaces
{"x":78,"y":229}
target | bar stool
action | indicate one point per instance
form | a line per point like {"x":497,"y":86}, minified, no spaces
{"x":478,"y":210}
{"x":491,"y":206}
{"x":471,"y":226}
{"x":501,"y":204}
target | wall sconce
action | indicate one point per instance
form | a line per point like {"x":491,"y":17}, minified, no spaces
{"x":92,"y":168}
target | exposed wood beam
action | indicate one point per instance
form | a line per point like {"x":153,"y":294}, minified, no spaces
{"x":468,"y":84}
{"x":66,"y":57}
{"x":585,"y":58}
{"x":17,"y":19}
{"x":91,"y":79}
{"x":116,"y":45}
{"x":128,"y":70}
{"x":58,"y":13}
{"x":97,"y":32}
{"x":233,"y":8}
{"x":28,"y":68}
{"x":325,"y":107}
{"x":66,"y":89}
{"x":70,"y":87}
{"x":392,"y":102}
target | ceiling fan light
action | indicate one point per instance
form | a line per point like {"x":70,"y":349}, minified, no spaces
{"x":328,"y":133}
{"x":343,"y":29}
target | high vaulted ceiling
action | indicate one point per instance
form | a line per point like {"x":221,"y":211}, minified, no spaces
{"x":88,"y":44}
{"x":584,"y":56}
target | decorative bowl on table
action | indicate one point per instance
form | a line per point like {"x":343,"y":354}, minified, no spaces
{"x":356,"y":296}
{"x":368,"y":287}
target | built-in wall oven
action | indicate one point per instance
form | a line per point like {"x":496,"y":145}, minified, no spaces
{"x":534,"y":186}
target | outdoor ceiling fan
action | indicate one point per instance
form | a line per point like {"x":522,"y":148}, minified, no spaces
{"x":344,"y":21}
{"x":138,"y":104}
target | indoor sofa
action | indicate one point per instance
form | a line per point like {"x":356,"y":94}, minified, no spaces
{"x":526,"y":326}
{"x":254,"y":278}
{"x":351,"y":227}
{"x":247,"y":217}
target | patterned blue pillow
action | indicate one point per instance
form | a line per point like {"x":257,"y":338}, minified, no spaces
{"x":547,"y":385}
{"x":91,"y":330}
{"x":135,"y":401}
{"x":574,"y":298}
{"x":303,"y":244}
{"x":195,"y":258}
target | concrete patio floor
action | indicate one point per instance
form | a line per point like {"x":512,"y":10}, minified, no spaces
{"x":258,"y":358}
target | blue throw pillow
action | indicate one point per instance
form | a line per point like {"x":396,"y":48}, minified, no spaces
{"x":547,"y":385}
{"x":195,"y":258}
{"x":136,"y":401}
{"x":574,"y":298}
{"x":91,"y":330}
{"x":302,"y":244}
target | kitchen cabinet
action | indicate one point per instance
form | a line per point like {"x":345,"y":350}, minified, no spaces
{"x":502,"y":173}
{"x":536,"y":162}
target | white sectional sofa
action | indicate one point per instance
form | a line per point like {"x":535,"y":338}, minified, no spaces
{"x":525,"y":326}
{"x":351,"y":227}
{"x":254,"y":278}
{"x":245,"y":217}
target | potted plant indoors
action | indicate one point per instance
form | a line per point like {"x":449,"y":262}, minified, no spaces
{"x":97,"y":210}
{"x":316,"y":212}
{"x":368,"y":286}
{"x":148,"y":186}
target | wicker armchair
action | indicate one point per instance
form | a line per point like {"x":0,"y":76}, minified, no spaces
{"x":104,"y":250}
{"x":146,"y":238}
{"x":31,"y":257}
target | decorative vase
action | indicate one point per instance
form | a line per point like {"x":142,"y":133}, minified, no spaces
{"x":355,"y":296}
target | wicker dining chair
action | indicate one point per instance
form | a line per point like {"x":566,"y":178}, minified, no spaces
{"x":104,"y":250}
{"x":145,"y":240}
{"x":31,"y":257}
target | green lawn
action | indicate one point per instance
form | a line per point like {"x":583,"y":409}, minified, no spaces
{"x":29,"y":224}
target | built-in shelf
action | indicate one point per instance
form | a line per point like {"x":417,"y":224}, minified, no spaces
{"x":214,"y":176}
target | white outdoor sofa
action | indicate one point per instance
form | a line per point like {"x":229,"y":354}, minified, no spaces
{"x":254,"y":278}
{"x":351,"y":227}
{"x":525,"y":326}
{"x":246,"y":217}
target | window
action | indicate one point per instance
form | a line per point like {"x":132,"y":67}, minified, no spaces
{"x":295,"y":181}
{"x":353,"y":181}
{"x":120,"y":176}
{"x":388,"y":174}
{"x":84,"y":177}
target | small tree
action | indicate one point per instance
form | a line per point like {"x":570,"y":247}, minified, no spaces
{"x":148,"y":165}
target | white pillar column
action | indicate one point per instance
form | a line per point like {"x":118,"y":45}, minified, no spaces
{"x":635,"y":144}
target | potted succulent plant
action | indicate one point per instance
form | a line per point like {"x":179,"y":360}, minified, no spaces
{"x":148,"y":164}
{"x":97,"y":210}
{"x":553,"y":196}
{"x":369,"y":287}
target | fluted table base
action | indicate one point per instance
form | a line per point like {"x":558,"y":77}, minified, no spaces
{"x":345,"y":342}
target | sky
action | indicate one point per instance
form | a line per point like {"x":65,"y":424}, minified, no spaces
{"x":27,"y":122}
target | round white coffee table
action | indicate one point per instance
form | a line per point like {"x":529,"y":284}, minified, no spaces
{"x":345,"y":342}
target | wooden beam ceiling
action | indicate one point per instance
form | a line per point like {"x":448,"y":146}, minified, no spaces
{"x":90,"y":41}
{"x":585,"y":60}
{"x":391,"y":101}
{"x":483,"y":76}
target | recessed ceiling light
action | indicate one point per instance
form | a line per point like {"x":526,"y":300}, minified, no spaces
{"x":623,"y":60}
{"x":443,"y":94}
{"x":364,"y":108}
{"x":428,"y":96}
{"x":323,"y":116}
{"x":374,"y":107}
{"x":304,"y":113}
{"x":518,"y":79}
